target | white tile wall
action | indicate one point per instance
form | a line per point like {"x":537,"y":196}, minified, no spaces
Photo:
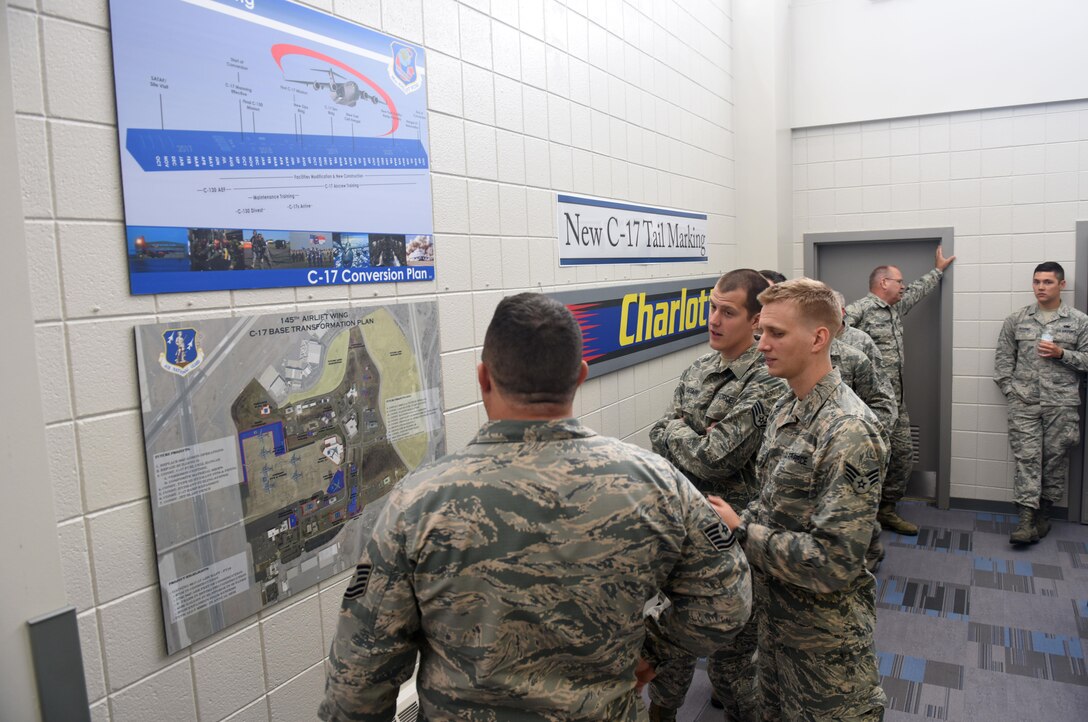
{"x":527,"y":98}
{"x":1011,"y":181}
{"x":168,"y":694}
{"x":229,"y":673}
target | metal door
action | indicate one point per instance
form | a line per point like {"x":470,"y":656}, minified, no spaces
{"x":844,"y":261}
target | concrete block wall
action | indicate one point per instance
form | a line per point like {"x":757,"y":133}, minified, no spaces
{"x":628,"y":99}
{"x":1012,"y":182}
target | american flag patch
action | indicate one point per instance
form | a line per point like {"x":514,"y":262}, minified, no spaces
{"x":859,"y":481}
{"x":720,"y":537}
{"x":357,"y":588}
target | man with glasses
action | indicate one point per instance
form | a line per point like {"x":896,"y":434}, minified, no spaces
{"x":880,"y":314}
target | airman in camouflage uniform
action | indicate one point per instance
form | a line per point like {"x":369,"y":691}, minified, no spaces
{"x":880,"y":314}
{"x":862,"y":342}
{"x":869,"y":383}
{"x":1041,"y":352}
{"x":712,"y":431}
{"x":871,"y":386}
{"x":519,"y":568}
{"x":806,"y":535}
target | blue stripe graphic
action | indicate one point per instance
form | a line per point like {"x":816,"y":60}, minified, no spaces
{"x":629,"y":207}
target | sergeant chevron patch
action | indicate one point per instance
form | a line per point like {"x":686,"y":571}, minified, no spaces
{"x":860,"y":481}
{"x":759,"y":414}
{"x":359,"y":582}
{"x":720,"y":537}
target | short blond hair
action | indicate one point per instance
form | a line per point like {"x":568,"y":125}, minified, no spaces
{"x":815,"y":299}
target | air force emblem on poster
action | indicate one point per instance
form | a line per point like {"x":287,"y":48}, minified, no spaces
{"x":182,"y":354}
{"x":402,"y":67}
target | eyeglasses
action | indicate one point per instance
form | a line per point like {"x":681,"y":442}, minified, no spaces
{"x":895,"y":280}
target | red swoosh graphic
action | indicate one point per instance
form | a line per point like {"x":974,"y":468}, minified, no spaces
{"x":279,"y":51}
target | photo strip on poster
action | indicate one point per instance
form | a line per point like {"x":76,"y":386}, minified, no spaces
{"x":271,"y":444}
{"x":267,"y":144}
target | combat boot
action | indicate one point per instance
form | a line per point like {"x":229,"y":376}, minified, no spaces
{"x":1042,"y":523}
{"x":874,"y":556}
{"x":893,"y":522}
{"x":1025,"y":532}
{"x":661,"y":714}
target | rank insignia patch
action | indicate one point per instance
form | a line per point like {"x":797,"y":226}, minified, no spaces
{"x":359,"y":582}
{"x":720,"y":537}
{"x":759,"y":414}
{"x":859,"y":481}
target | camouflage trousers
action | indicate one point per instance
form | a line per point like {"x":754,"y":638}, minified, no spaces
{"x":732,"y":673}
{"x":1039,"y":437}
{"x":900,"y":459}
{"x":802,"y":684}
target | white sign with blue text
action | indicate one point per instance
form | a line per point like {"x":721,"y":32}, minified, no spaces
{"x":594,"y":231}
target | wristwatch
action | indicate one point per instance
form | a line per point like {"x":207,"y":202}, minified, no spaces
{"x":740,"y":532}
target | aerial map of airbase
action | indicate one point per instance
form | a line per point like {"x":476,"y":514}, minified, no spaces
{"x":271,"y":442}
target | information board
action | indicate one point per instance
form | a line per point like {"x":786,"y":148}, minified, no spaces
{"x":594,"y":231}
{"x":268,"y":144}
{"x":271,"y":442}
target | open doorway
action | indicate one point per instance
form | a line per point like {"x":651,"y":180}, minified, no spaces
{"x":844,"y":261}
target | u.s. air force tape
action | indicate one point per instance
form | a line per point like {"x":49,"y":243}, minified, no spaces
{"x":357,"y":588}
{"x":858,"y":480}
{"x":720,"y":537}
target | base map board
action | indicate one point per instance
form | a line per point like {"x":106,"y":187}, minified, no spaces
{"x":271,"y":443}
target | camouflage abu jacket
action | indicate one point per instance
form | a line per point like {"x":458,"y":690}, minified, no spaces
{"x":808,"y":532}
{"x":1019,"y":370}
{"x":862,"y":342}
{"x":519,"y":567}
{"x":714,"y":425}
{"x":867,"y":381}
{"x":884,"y":324}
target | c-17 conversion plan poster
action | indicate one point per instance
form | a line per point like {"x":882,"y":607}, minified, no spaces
{"x":271,"y":442}
{"x":265,"y":143}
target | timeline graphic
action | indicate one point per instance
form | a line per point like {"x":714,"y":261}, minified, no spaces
{"x":260,"y":123}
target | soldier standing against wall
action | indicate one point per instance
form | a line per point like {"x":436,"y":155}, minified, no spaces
{"x":712,"y":431}
{"x":807,"y":533}
{"x":1040,"y":352}
{"x":880,"y":314}
{"x":519,"y":567}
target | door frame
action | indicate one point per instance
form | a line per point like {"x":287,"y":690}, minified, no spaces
{"x":945,"y":237}
{"x":1077,"y":490}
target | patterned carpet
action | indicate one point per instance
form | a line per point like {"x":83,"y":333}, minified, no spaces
{"x":971,"y":628}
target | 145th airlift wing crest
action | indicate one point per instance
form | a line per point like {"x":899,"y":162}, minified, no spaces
{"x":181,"y":354}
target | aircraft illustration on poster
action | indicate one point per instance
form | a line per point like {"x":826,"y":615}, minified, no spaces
{"x":345,"y":93}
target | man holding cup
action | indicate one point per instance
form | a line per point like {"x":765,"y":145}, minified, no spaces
{"x":1040,"y":352}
